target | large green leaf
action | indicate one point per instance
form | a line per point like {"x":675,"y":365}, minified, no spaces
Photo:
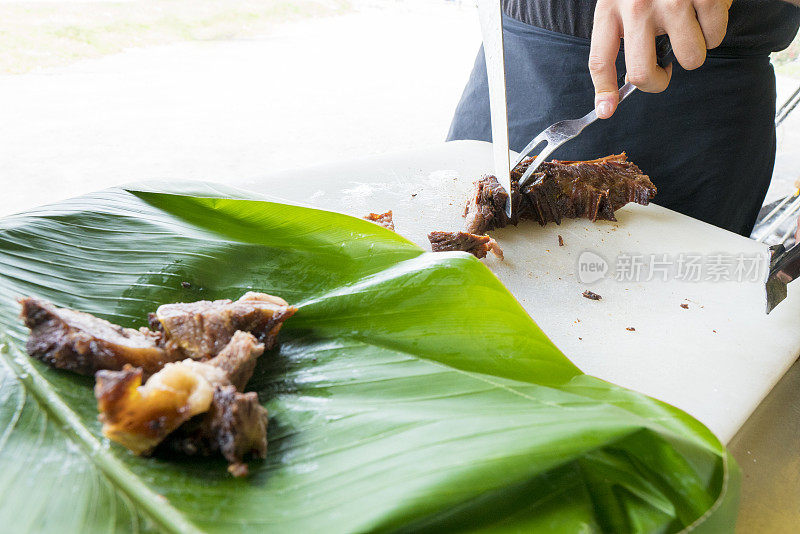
{"x":411,"y":392}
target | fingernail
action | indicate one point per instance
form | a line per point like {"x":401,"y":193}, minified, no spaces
{"x":603,"y":109}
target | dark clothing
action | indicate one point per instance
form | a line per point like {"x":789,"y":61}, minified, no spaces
{"x":707,"y":142}
{"x":754,"y":26}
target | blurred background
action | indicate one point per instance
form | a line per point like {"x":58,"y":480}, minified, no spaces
{"x":97,"y":93}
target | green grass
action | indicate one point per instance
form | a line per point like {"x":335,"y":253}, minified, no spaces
{"x":40,"y":35}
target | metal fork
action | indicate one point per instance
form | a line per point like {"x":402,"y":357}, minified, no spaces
{"x":558,"y":134}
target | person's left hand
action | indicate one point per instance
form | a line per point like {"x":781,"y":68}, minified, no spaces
{"x":693,"y":27}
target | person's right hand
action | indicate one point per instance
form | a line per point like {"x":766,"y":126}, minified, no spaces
{"x":693,"y":27}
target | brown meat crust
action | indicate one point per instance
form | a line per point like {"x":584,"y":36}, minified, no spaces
{"x":477,"y":245}
{"x":82,"y":343}
{"x":238,"y":359}
{"x":202,"y":329}
{"x":384,"y":219}
{"x":234,"y":426}
{"x":142,"y":417}
{"x":560,"y":189}
{"x":79,"y":342}
{"x":148,"y":395}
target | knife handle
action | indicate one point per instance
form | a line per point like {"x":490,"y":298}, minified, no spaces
{"x":664,"y":55}
{"x":786,"y":266}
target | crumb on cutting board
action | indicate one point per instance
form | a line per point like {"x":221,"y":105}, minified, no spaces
{"x":630,"y":329}
{"x":381,"y":219}
{"x":560,"y":241}
{"x":685,"y":306}
{"x":591,"y":295}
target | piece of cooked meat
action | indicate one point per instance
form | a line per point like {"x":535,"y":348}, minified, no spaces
{"x":80,"y":342}
{"x":202,"y":329}
{"x":234,"y":426}
{"x":238,"y":359}
{"x":384,"y":219}
{"x":141,"y":416}
{"x":559,"y":189}
{"x":477,"y":245}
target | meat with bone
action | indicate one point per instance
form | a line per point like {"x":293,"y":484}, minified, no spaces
{"x":201,"y":329}
{"x":477,"y":245}
{"x":560,"y":189}
{"x":140,"y":417}
{"x":82,"y":343}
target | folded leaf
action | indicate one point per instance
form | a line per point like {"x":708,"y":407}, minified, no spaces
{"x":409,"y":393}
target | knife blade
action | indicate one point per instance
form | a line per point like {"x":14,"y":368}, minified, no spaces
{"x":490,"y":13}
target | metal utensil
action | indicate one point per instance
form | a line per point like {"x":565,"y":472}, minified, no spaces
{"x":778,"y":225}
{"x":490,"y":13}
{"x":784,"y":267}
{"x":559,"y":133}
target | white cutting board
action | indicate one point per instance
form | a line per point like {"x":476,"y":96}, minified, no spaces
{"x":716,"y":360}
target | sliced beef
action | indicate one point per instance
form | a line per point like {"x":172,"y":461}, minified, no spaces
{"x":149,"y":394}
{"x":142,"y":416}
{"x":82,"y":343}
{"x":559,"y":189}
{"x":384,"y":219}
{"x":234,"y":426}
{"x":201,"y":329}
{"x":477,"y":245}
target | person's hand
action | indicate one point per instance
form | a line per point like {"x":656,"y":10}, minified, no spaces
{"x":693,"y":27}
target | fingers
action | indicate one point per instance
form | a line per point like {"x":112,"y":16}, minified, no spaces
{"x":685,"y":35}
{"x":640,"y":54}
{"x":693,"y":27}
{"x":713,"y":18}
{"x":602,"y":63}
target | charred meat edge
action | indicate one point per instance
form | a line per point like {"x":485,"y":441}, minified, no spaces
{"x":560,"y":189}
{"x":383,"y":219}
{"x":82,"y":343}
{"x":201,"y":329}
{"x":140,"y":416}
{"x":477,"y":245}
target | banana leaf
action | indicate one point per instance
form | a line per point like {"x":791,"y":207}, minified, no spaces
{"x":410,"y":393}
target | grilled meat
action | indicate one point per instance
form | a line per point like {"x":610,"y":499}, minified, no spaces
{"x":82,"y":343}
{"x":384,"y":219}
{"x":477,"y":245}
{"x":201,"y":329}
{"x":559,"y":189}
{"x":234,"y":426}
{"x":151,"y":389}
{"x":141,"y":416}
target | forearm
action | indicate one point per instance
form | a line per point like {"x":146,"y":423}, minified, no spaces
{"x":793,"y":2}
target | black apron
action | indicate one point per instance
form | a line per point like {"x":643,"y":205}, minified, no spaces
{"x":707,"y":142}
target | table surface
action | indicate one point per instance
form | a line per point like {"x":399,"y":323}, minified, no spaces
{"x":716,"y":357}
